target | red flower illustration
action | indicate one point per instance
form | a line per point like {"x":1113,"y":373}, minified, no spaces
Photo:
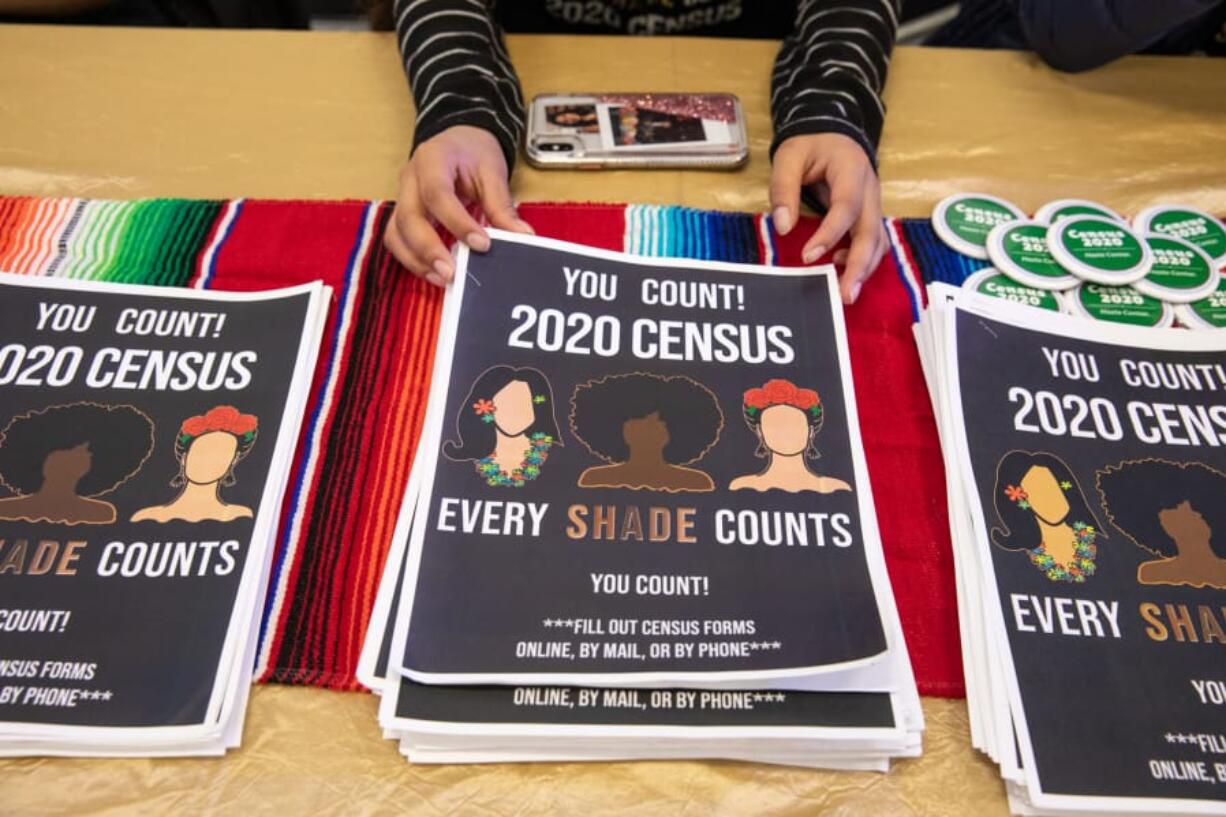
{"x":780,"y":392}
{"x":1014,"y":493}
{"x":806,"y":399}
{"x":219,"y":418}
{"x":483,"y":407}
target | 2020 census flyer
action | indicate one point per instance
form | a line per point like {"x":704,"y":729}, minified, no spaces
{"x":144,"y":439}
{"x":648,"y":472}
{"x":1097,"y":483}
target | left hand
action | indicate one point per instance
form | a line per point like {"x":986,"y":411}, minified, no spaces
{"x":847,"y":184}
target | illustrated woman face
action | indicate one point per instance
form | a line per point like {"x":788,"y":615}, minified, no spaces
{"x":209,"y":457}
{"x":1044,"y":494}
{"x":69,"y":465}
{"x":785,"y":430}
{"x":1184,"y":524}
{"x":645,"y":434}
{"x":513,"y":410}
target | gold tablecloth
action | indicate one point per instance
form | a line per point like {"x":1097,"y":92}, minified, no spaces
{"x":129,"y":113}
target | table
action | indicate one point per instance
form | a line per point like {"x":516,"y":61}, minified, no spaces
{"x":127,"y":113}
{"x":135,"y":113}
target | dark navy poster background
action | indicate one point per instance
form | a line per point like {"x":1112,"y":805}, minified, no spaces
{"x":642,"y":707}
{"x":156,"y":642}
{"x":1099,"y":709}
{"x":479,"y":598}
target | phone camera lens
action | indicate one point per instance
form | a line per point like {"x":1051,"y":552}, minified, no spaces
{"x":558,"y":147}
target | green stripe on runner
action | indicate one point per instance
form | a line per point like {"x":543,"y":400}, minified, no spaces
{"x":155,"y":241}
{"x":120,"y":227}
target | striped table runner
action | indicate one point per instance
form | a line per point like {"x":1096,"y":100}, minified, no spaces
{"x":370,"y":386}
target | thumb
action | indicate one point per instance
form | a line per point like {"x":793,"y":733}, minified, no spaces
{"x":786,"y":173}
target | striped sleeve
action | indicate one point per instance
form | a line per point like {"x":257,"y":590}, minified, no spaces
{"x":458,"y":70}
{"x":831,"y":69}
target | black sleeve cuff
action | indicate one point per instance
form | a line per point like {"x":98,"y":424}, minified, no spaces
{"x":485,"y":120}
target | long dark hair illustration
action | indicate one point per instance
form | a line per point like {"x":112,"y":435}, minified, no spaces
{"x":208,"y":447}
{"x":786,"y":420}
{"x":1043,"y":512}
{"x":648,"y":428}
{"x":506,"y":426}
{"x":1175,"y":511}
{"x":58,"y":460}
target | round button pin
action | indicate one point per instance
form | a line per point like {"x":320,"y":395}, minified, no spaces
{"x":1181,"y":272}
{"x":1099,"y":250}
{"x":1053,"y":211}
{"x":995,"y":284}
{"x":1118,"y":305}
{"x":963,"y":221}
{"x":1187,"y":223}
{"x":1019,"y":250}
{"x":1207,"y":313}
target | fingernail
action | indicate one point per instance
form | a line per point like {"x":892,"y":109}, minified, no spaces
{"x":855,"y":291}
{"x":477,"y":241}
{"x":436,"y":279}
{"x":813,"y":253}
{"x":782,"y":217}
{"x":442,"y":269}
{"x":525,"y":226}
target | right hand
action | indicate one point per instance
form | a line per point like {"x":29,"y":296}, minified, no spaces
{"x":458,"y":166}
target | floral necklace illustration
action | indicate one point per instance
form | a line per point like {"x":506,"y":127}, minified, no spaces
{"x":1081,"y":566}
{"x":529,"y":467}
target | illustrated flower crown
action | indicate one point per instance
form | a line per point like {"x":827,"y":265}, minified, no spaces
{"x":780,"y":392}
{"x":220,"y":418}
{"x":485,"y":408}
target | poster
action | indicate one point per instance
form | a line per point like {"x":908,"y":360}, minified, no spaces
{"x":144,"y":438}
{"x":646,"y":471}
{"x":1097,"y":476}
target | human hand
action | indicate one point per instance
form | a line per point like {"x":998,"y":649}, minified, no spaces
{"x":447,"y":172}
{"x":847,"y":184}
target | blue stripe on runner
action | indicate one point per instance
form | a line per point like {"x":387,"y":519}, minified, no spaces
{"x":938,"y":263}
{"x":299,"y":479}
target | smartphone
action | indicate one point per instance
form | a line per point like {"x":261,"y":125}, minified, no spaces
{"x":636,"y":130}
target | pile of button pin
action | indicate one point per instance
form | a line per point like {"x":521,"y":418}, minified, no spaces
{"x":1083,"y":258}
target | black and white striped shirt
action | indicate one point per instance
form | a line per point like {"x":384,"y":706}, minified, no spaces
{"x":827,"y":78}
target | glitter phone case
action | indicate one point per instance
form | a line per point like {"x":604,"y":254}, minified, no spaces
{"x":636,"y":130}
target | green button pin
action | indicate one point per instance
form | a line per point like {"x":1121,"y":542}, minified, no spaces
{"x":1207,"y":313}
{"x":1053,"y":211}
{"x":1181,"y":272}
{"x":1188,"y":223}
{"x":1119,"y":305}
{"x":963,"y":221}
{"x":1019,"y":250}
{"x":995,"y":284}
{"x":1100,"y":250}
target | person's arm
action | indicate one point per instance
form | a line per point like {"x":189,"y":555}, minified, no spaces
{"x":1078,"y":36}
{"x":826,"y":105}
{"x":470,"y":118}
{"x":830,"y":71}
{"x":458,"y":70}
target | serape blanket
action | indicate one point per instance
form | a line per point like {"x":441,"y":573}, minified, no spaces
{"x":369,"y":392}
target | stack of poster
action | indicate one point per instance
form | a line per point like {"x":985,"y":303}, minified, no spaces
{"x":146,"y":437}
{"x":1086,"y":468}
{"x":639,"y":525}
